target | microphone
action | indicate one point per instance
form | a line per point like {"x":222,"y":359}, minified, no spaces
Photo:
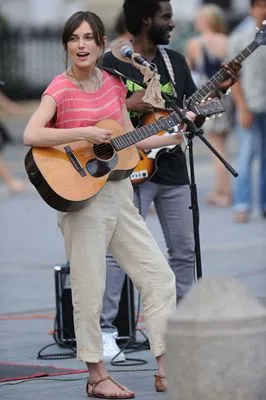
{"x":127,"y":51}
{"x":124,"y":51}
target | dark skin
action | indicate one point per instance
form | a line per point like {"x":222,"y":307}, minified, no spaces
{"x":157,"y":31}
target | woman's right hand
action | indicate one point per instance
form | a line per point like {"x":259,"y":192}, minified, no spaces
{"x":96,"y":135}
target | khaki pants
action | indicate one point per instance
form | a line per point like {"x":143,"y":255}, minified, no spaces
{"x":110,"y":221}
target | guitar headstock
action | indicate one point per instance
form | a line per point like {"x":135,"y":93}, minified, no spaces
{"x":260,"y":36}
{"x":208,"y":107}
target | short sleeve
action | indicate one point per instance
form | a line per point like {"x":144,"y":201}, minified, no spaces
{"x":55,"y":89}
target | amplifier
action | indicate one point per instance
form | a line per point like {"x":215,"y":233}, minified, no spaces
{"x":64,"y":333}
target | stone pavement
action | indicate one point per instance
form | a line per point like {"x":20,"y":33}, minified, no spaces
{"x":31,"y":246}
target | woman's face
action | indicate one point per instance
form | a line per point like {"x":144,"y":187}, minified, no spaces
{"x":82,"y":47}
{"x":200,"y":23}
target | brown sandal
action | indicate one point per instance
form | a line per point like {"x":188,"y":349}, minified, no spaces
{"x":160,"y":385}
{"x":102,"y":396}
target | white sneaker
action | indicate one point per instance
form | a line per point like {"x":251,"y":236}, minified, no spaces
{"x":110,"y":348}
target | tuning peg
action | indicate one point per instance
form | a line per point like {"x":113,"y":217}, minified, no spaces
{"x":207,"y":118}
{"x":219,"y":115}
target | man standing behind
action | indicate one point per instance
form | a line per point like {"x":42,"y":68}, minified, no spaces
{"x":249,"y":94}
{"x":151,"y":23}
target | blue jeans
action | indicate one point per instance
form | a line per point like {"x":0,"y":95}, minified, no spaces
{"x":252,"y":142}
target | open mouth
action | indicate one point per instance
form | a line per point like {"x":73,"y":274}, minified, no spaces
{"x":82,"y":56}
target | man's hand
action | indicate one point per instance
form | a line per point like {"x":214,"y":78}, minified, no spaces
{"x":232,"y":69}
{"x":135,"y":103}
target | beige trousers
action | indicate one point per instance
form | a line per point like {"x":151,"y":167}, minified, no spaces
{"x":111,"y":221}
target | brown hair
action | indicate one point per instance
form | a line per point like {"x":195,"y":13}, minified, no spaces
{"x":76,"y":20}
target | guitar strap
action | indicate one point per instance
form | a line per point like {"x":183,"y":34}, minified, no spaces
{"x":169,"y":67}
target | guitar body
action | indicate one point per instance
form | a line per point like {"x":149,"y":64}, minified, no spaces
{"x":147,"y":166}
{"x":148,"y":163}
{"x":66,"y":187}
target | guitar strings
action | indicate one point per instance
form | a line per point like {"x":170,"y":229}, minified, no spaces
{"x":106,"y":146}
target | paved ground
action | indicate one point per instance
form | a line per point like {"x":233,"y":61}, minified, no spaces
{"x":31,"y":246}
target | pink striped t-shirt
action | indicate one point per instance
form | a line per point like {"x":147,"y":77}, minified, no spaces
{"x":76,"y":108}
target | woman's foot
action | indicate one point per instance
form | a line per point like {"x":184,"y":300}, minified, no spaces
{"x":240,"y":217}
{"x":108,"y":388}
{"x":218,"y":199}
{"x":160,"y":383}
{"x":160,"y":377}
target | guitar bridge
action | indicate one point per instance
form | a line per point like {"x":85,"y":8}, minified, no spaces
{"x":74,"y":161}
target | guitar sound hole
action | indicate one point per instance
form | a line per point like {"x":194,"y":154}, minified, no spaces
{"x":103,"y":151}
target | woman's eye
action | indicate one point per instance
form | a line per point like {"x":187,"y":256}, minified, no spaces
{"x":89,"y":37}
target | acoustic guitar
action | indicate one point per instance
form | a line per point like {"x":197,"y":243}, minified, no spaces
{"x":149,"y":161}
{"x":66,"y":176}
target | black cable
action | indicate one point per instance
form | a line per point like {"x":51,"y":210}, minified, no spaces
{"x":55,"y":356}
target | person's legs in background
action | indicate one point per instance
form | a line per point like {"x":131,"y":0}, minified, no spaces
{"x":14,"y":185}
{"x":243,"y":183}
{"x":260,"y":128}
{"x":220,"y":195}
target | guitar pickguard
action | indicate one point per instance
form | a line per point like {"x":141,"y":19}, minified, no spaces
{"x":98,"y":168}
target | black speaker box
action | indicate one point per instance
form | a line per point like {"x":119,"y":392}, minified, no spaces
{"x":64,"y":333}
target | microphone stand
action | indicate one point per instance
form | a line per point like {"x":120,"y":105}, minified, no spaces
{"x":193,"y":131}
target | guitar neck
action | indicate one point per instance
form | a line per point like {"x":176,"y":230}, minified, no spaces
{"x":220,"y":76}
{"x":130,"y":138}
